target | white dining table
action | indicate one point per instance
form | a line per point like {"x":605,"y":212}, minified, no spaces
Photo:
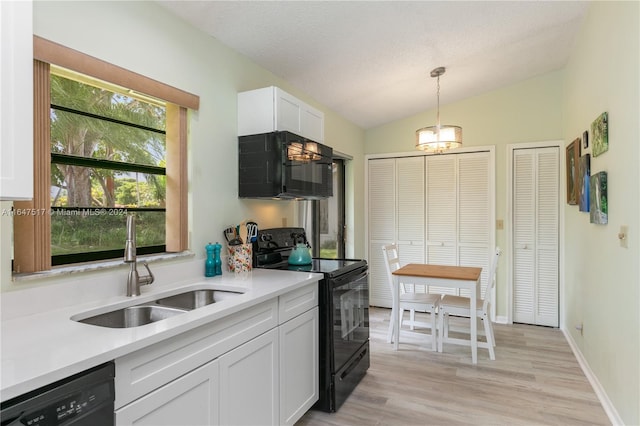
{"x":462,"y":277}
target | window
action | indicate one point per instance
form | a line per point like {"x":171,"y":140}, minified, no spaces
{"x":107,"y":142}
{"x":324,"y":220}
{"x":108,"y":153}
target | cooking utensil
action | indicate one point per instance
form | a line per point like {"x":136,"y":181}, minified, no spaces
{"x":243,"y":233}
{"x":231,"y":235}
{"x":252,"y":232}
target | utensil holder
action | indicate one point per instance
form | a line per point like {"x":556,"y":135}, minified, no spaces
{"x":240,"y":258}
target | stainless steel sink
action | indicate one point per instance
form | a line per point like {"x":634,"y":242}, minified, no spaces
{"x":133,"y":316}
{"x":196,"y":298}
{"x":158,"y":309}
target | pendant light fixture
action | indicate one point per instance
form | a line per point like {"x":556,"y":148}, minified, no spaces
{"x":440,"y":137}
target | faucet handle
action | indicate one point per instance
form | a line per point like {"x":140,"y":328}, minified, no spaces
{"x":147,"y":279}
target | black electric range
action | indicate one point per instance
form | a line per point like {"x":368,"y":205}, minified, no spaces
{"x":343,"y":302}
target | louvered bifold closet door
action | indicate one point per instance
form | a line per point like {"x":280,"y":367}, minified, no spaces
{"x":474,"y":214}
{"x":382,"y":225}
{"x":441,"y":213}
{"x":535,"y":235}
{"x":410,"y":212}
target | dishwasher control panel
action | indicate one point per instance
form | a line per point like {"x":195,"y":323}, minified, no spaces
{"x":85,"y":398}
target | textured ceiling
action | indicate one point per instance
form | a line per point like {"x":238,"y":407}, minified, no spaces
{"x":370,"y":61}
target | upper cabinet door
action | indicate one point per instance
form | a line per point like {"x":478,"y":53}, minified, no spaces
{"x":16,"y":100}
{"x":287,"y":110}
{"x":272,"y":109}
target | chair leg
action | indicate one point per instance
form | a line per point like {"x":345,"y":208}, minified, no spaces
{"x":412,"y":318}
{"x":440,"y":329}
{"x":392,"y":319}
{"x":446,"y":325}
{"x":489,"y":333}
{"x":433,"y":330}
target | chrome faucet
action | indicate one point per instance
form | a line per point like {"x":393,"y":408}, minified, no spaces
{"x":134,"y":280}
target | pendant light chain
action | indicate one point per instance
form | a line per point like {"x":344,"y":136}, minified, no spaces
{"x":438,"y":138}
{"x":438,"y":106}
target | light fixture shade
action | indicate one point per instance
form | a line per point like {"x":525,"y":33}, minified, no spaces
{"x":434,"y":139}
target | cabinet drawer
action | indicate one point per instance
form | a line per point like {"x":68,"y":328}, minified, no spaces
{"x":189,"y":400}
{"x":296,"y":302}
{"x":147,"y":369}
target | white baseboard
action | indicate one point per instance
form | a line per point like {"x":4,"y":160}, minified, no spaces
{"x":613,"y":415}
{"x":501,"y":320}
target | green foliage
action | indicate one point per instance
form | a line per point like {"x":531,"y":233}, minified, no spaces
{"x":77,"y":186}
{"x":86,"y":233}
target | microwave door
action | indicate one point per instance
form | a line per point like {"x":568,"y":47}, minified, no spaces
{"x":308,"y":169}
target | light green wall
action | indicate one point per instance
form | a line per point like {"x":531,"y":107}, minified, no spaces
{"x":145,"y":38}
{"x":602,"y":280}
{"x":530,"y":111}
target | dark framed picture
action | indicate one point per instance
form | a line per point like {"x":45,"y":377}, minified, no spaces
{"x":585,"y":139}
{"x":600,"y":135}
{"x":573,"y":162}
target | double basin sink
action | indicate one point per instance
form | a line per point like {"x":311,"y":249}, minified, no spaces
{"x":159,"y":309}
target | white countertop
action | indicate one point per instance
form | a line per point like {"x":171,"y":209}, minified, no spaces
{"x":41,"y":348}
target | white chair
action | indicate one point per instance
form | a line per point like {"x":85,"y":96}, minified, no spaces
{"x":411,"y":301}
{"x":456,"y":305}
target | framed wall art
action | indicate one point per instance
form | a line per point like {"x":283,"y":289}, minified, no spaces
{"x":584,"y":176}
{"x":598,"y":201}
{"x":573,"y":159}
{"x":600,"y":134}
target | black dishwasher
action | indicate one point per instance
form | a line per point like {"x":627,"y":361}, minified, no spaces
{"x":83,"y":399}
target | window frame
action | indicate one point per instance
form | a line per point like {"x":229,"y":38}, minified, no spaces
{"x":32,"y":233}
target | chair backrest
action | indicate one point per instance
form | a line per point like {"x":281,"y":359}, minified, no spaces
{"x":491,"y":280}
{"x":391,"y":262}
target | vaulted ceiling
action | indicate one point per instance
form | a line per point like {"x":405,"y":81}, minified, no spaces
{"x":370,"y":60}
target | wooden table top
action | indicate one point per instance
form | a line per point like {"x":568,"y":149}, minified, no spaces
{"x":465,"y":273}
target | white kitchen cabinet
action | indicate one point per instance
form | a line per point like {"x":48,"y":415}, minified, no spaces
{"x":299,"y":368}
{"x":189,"y":400}
{"x":143,"y":371}
{"x":272,"y":109}
{"x":257,"y":366}
{"x":249,"y":383}
{"x":16,"y":100}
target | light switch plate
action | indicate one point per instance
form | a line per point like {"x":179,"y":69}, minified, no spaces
{"x":623,"y":236}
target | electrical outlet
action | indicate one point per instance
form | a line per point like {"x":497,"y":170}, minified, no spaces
{"x":284,"y":222}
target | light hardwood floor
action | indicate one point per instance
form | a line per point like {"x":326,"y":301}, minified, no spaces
{"x":535,"y":380}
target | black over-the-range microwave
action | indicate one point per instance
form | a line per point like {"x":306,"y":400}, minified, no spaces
{"x":284,"y":165}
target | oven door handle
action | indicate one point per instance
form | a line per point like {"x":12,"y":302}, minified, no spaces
{"x":349,"y":278}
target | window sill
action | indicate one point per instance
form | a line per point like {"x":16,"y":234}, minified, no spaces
{"x":76,"y":268}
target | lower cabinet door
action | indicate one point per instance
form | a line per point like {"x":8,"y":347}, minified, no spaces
{"x":191,"y":399}
{"x":249,"y":382}
{"x":299,"y":369}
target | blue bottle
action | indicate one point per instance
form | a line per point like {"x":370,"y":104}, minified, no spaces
{"x":209,"y":264}
{"x":216,"y":258}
